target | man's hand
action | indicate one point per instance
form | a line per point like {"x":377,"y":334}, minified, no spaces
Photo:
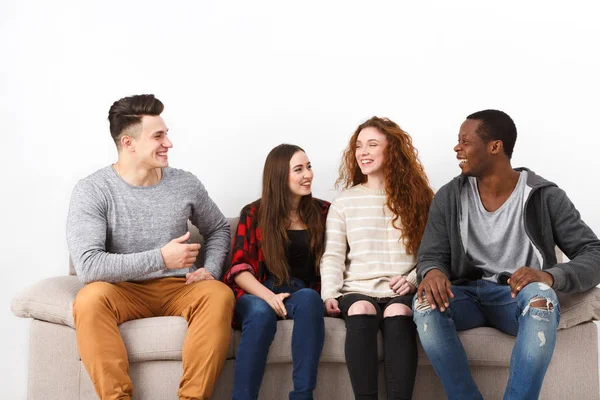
{"x":201,"y":274}
{"x":437,"y":289}
{"x":400,"y":285}
{"x":177,"y":254}
{"x":332,"y":307}
{"x":276,"y":303}
{"x":524,"y":276}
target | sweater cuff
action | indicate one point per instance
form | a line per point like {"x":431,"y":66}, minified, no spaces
{"x":412,"y":278}
{"x":329,"y":295}
{"x":559,"y":276}
{"x":159,"y":260}
{"x":213,"y":270}
{"x":421,"y":274}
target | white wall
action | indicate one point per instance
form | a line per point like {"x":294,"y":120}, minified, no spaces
{"x":239,"y":77}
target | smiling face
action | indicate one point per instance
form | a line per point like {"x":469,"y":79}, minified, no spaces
{"x":151,"y":144}
{"x":300,"y":175}
{"x":370,"y":151}
{"x":472,"y":153}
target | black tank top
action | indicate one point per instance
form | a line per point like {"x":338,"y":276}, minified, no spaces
{"x":300,"y":261}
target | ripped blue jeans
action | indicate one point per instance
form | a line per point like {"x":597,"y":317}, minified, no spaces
{"x":485,"y":303}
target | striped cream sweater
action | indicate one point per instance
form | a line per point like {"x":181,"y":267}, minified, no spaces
{"x":363,"y":251}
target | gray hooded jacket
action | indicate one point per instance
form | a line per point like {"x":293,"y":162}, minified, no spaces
{"x":551,"y":220}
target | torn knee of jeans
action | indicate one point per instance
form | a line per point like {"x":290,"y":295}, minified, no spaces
{"x":543,"y":286}
{"x":541,"y":303}
{"x":540,"y":307}
{"x":422,"y":308}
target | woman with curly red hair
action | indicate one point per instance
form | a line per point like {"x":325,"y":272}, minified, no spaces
{"x":374,"y":229}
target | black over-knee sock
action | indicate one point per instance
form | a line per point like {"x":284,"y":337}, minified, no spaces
{"x":400,"y":356}
{"x":361,"y":355}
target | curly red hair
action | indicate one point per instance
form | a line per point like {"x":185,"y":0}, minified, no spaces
{"x":407,"y":187}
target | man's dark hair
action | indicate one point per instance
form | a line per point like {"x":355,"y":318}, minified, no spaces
{"x":128,"y":112}
{"x":496,"y":125}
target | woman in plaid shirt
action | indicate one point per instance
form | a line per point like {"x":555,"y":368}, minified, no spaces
{"x":275,"y":273}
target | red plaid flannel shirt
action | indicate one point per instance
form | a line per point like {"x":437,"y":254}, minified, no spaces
{"x":247,"y":252}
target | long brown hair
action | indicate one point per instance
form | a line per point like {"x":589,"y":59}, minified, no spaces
{"x":406,"y":185}
{"x":274,"y":209}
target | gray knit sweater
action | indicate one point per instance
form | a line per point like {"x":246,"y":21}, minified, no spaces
{"x":115,"y":230}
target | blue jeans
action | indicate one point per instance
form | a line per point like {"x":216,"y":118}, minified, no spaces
{"x":259,"y":324}
{"x":484,"y":303}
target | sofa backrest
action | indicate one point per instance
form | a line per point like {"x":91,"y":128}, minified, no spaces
{"x":194,"y":238}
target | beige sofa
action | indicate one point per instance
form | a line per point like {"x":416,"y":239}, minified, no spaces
{"x":154,"y":348}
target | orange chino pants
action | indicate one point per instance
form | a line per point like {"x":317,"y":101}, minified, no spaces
{"x":100,"y":307}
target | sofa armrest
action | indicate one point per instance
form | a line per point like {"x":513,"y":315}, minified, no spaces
{"x":49,"y":300}
{"x":577,"y":308}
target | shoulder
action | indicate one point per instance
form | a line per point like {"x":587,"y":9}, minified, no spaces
{"x":181,"y":176}
{"x":249,"y":210}
{"x":96,"y":183}
{"x":323,"y":205}
{"x":350,"y":194}
{"x":353,"y":191}
{"x":552,"y":195}
{"x":355,"y":196}
{"x":100,"y":176}
{"x":183,"y":185}
{"x":536,"y":181}
{"x":449,"y":187}
{"x":546,"y":189}
{"x":448,"y":191}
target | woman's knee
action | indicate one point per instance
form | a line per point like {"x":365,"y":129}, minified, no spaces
{"x":257,"y":312}
{"x":362,"y":307}
{"x":394,"y":310}
{"x":308,"y":298}
{"x":307,"y":305}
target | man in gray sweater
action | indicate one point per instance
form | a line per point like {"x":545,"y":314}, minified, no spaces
{"x":128,"y":239}
{"x":487,"y":259}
